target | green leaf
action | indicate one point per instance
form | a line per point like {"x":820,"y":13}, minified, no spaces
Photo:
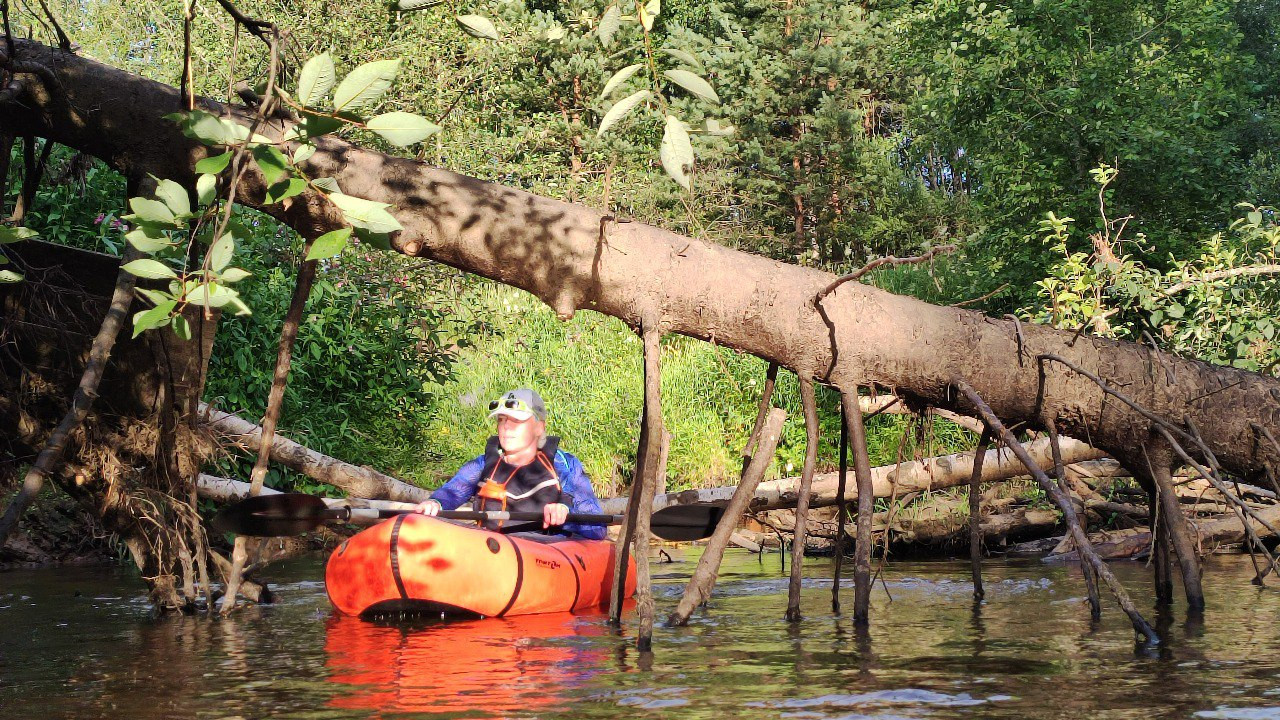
{"x":402,"y":128}
{"x":713,"y":127}
{"x":181,"y":327}
{"x":610,"y":22}
{"x":152,"y":211}
{"x":234,"y":275}
{"x":174,"y":196}
{"x":313,"y":126}
{"x":329,"y":244}
{"x":327,"y":184}
{"x":148,"y":238}
{"x":210,"y":294}
{"x":238,"y":305}
{"x":649,"y":13}
{"x":367,"y":214}
{"x":286,"y":188}
{"x":316,"y":80}
{"x":154,"y":317}
{"x":694,"y":84}
{"x":1255,"y":218}
{"x":365,"y":86}
{"x":221,"y":252}
{"x":478,"y":27}
{"x":303,"y":153}
{"x":211,"y":129}
{"x":149,"y":269}
{"x":618,"y":78}
{"x":155,"y":296}
{"x":271,"y":162}
{"x":206,"y":189}
{"x":620,"y":110}
{"x":9,"y":276}
{"x":411,"y":5}
{"x":205,"y":127}
{"x":683,"y":56}
{"x":676,"y":152}
{"x":214,"y":164}
{"x":16,"y":234}
{"x":380,"y":241}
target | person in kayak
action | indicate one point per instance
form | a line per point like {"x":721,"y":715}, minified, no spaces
{"x":522,"y":470}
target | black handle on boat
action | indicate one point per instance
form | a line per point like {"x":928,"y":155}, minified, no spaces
{"x":296,"y":513}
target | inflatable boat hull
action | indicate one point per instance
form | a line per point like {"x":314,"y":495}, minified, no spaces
{"x":417,"y":564}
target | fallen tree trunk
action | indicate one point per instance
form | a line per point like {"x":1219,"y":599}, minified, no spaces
{"x":359,"y":481}
{"x":573,"y":257}
{"x":220,"y":489}
{"x":888,"y":480}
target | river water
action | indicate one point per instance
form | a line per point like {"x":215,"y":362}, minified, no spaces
{"x":80,"y":643}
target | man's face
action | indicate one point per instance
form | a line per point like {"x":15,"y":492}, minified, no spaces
{"x":517,"y":435}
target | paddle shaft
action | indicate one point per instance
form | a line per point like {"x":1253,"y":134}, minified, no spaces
{"x":284,"y":514}
{"x":350,"y":514}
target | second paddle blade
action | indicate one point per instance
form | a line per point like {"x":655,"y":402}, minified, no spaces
{"x":272,"y":515}
{"x":686,"y":522}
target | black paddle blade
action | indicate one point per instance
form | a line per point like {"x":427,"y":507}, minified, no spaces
{"x":273,"y":515}
{"x":685,"y":522}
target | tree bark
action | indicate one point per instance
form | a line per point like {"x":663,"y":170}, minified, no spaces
{"x":842,"y":509}
{"x":648,"y":482}
{"x":866,"y":509}
{"x":696,"y":288}
{"x":1156,"y":469}
{"x":704,"y":576}
{"x":810,"y":408}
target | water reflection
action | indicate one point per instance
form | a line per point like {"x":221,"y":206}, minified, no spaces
{"x":478,"y":668}
{"x":81,"y":644}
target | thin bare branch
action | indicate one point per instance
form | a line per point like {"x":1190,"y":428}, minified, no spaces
{"x":878,"y":263}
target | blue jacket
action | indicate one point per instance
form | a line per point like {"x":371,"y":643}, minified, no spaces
{"x":573,"y":481}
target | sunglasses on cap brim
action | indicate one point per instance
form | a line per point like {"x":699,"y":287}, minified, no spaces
{"x":512,"y":404}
